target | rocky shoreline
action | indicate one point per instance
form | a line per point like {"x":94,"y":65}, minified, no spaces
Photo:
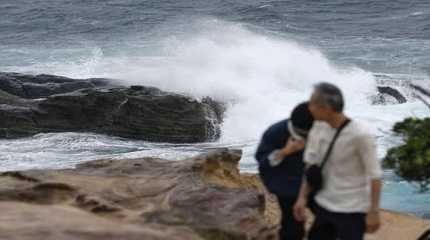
{"x":204,"y":197}
{"x":31,"y":104}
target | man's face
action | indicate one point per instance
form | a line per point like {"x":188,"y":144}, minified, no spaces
{"x":318,"y":111}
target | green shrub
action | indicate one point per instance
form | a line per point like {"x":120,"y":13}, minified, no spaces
{"x":411,"y":161}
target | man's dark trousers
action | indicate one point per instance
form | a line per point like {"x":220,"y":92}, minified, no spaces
{"x":332,"y":226}
{"x":290,"y":228}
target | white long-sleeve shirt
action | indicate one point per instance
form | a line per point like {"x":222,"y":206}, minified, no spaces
{"x":352,"y":164}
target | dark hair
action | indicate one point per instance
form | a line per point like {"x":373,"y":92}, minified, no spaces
{"x":329,"y":95}
{"x":301,"y":117}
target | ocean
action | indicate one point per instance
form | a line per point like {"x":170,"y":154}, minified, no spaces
{"x":261,"y":58}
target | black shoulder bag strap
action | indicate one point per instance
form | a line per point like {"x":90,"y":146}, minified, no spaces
{"x":314,"y":172}
{"x":330,"y":148}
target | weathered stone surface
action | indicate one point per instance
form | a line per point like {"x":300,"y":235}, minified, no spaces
{"x":199,"y":198}
{"x":22,"y":221}
{"x":134,"y":199}
{"x":137,"y":112}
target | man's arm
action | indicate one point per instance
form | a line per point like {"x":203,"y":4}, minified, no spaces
{"x":375,"y":195}
{"x":367,"y":149}
{"x":373,"y":218}
{"x":264,"y":149}
{"x":310,"y":156}
{"x":300,"y":205}
{"x":292,"y":146}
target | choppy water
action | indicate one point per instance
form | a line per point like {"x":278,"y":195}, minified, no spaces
{"x":261,"y":57}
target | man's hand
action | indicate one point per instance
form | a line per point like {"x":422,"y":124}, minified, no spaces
{"x":292,"y":146}
{"x":300,"y":209}
{"x":373,"y":221}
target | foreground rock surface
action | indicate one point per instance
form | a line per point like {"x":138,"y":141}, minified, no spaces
{"x":199,"y":198}
{"x":97,"y":105}
{"x":133,"y":199}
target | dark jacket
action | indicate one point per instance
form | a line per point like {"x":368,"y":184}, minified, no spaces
{"x":284,"y":179}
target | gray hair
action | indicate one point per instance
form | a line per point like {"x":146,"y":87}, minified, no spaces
{"x":329,"y":95}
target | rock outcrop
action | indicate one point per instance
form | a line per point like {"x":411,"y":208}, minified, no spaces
{"x":387,"y":92}
{"x":201,"y":198}
{"x":391,"y":90}
{"x":134,"y":199}
{"x":94,"y":105}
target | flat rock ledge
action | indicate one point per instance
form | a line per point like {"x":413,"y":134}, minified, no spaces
{"x":204,"y":197}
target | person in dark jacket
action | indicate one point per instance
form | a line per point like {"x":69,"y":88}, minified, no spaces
{"x":280,"y":161}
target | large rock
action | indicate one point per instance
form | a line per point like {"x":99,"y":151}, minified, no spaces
{"x":391,"y":90}
{"x":138,"y":112}
{"x":385,"y":93}
{"x":200,"y":198}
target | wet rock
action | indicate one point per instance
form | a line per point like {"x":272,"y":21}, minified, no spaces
{"x":388,"y":95}
{"x":137,"y":112}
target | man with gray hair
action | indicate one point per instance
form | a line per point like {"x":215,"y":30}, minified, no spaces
{"x":347,"y":205}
